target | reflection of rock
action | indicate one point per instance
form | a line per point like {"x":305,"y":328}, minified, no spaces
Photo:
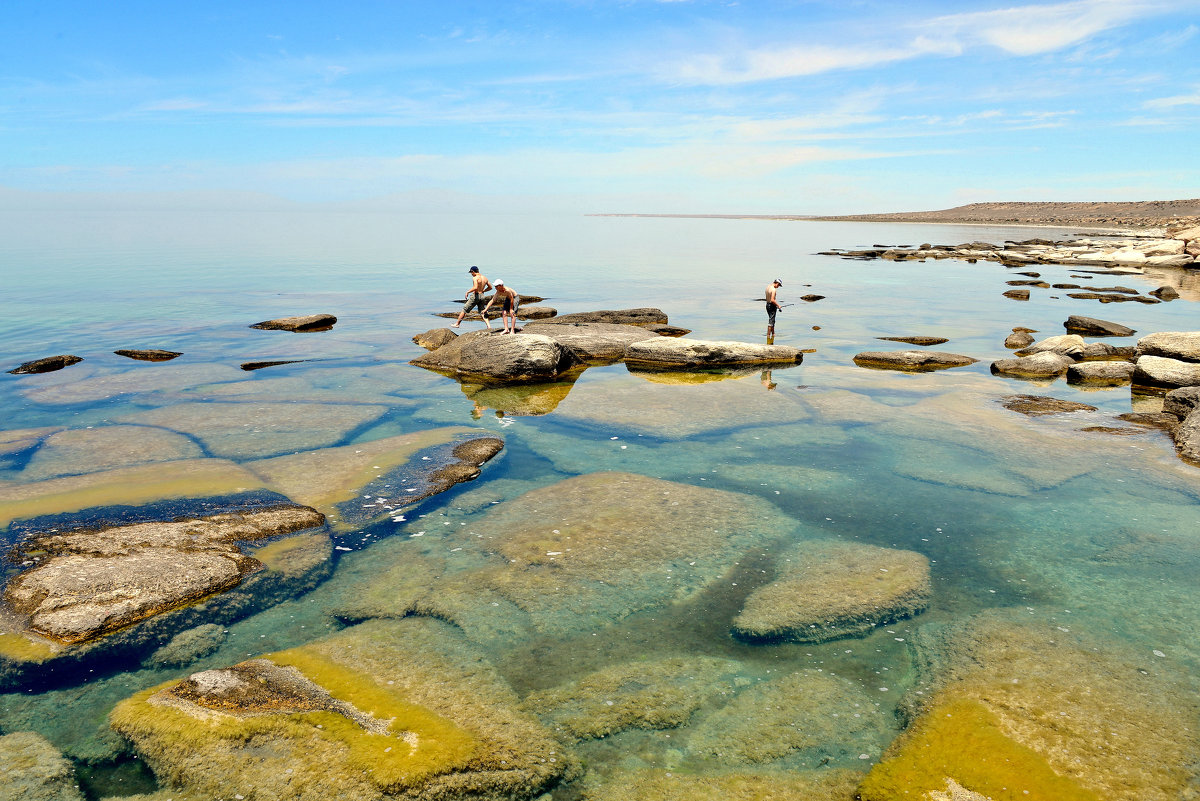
{"x":151,"y":355}
{"x":808,"y":714}
{"x":912,"y":360}
{"x":1039,"y":405}
{"x":250,"y":430}
{"x":593,"y":342}
{"x":1106,"y":374}
{"x":34,"y":770}
{"x":653,"y":694}
{"x":386,"y":709}
{"x":917,"y":340}
{"x":1040,"y":365}
{"x":502,"y":358}
{"x":660,"y":376}
{"x":518,"y":400}
{"x":310,"y":322}
{"x":46,"y":365}
{"x":681,"y":352}
{"x":360,"y":483}
{"x":1009,"y":704}
{"x":1092,"y":327}
{"x":106,"y":447}
{"x":434,"y":338}
{"x":188,"y":646}
{"x":87,"y":582}
{"x":1161,"y":372}
{"x":830,"y":589}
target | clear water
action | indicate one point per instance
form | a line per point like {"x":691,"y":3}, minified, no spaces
{"x":1013,"y":512}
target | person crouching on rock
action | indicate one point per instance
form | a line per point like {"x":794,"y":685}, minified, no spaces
{"x":474,"y":297}
{"x":508,"y":313}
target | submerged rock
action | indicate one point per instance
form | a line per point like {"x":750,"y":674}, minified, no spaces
{"x":34,"y":770}
{"x":651,"y":694}
{"x":912,"y":360}
{"x":188,"y":646}
{"x":502,"y":358}
{"x":1093,"y":327}
{"x":383,"y":710}
{"x":46,"y":365}
{"x":310,"y":322}
{"x":830,"y":589}
{"x":593,"y":342}
{"x":681,"y":352}
{"x":917,"y":340}
{"x":105,"y":448}
{"x":1040,"y":365}
{"x":660,"y":784}
{"x":22,"y":439}
{"x":434,"y":338}
{"x":1038,"y":405}
{"x":87,"y":582}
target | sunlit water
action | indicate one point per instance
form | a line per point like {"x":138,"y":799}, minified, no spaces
{"x":1091,"y":531}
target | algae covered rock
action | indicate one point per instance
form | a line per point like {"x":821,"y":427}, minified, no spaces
{"x":384,"y":710}
{"x":34,"y":770}
{"x":188,"y":646}
{"x":830,"y":589}
{"x":652,"y":694}
{"x":657,"y":784}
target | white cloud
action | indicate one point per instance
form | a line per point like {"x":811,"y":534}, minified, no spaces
{"x":1175,"y":101}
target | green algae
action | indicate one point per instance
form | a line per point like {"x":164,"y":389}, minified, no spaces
{"x":961,"y":740}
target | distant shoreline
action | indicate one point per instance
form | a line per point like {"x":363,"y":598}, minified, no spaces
{"x":1137,"y":215}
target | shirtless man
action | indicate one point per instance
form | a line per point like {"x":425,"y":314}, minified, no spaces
{"x":772,"y":306}
{"x":508,"y":313}
{"x":474,"y":297}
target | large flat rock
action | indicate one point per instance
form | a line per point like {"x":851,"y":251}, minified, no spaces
{"x":643,"y":317}
{"x":88,"y":450}
{"x":384,"y":710}
{"x":680,"y":352}
{"x":830,"y":589}
{"x":1181,"y":345}
{"x":1093,"y":327}
{"x":1162,"y":372}
{"x":918,"y":361}
{"x":488,"y":356}
{"x":594,"y":342}
{"x":304,"y":323}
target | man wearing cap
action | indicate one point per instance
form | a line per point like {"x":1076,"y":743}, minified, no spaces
{"x":474,"y":297}
{"x":772,"y":306}
{"x":508,"y":312}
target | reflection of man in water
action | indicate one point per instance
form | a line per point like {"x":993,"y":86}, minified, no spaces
{"x":772,"y":307}
{"x":766,"y":380}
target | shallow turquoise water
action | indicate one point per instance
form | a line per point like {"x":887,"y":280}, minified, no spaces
{"x":1013,"y":512}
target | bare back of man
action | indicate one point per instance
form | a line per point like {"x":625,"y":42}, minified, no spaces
{"x":773,"y":306}
{"x":509,"y":299}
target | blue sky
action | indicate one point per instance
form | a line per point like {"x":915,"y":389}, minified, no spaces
{"x":684,"y":106}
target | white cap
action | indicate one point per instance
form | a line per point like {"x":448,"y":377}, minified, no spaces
{"x":497,"y":283}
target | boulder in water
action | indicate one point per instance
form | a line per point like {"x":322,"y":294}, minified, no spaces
{"x":309,"y":322}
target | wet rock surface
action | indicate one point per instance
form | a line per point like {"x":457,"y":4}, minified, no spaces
{"x":383,"y":710}
{"x":81,"y":584}
{"x":1040,"y":405}
{"x":434,"y":338}
{"x":1094,"y":327}
{"x":502,"y":358}
{"x":912,"y":360}
{"x":305,"y":323}
{"x":680,"y":352}
{"x":594,"y":342}
{"x":917,"y":340}
{"x":150,"y":355}
{"x":46,"y":365}
{"x":831,"y":589}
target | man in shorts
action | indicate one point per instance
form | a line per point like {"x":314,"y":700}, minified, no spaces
{"x":772,"y":306}
{"x":508,"y":312}
{"x":474,"y":297}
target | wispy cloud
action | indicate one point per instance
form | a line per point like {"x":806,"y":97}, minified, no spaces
{"x":1160,"y":103}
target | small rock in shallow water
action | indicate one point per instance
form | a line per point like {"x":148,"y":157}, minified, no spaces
{"x":1038,"y":405}
{"x":310,"y":322}
{"x":149,"y":355}
{"x":46,"y":365}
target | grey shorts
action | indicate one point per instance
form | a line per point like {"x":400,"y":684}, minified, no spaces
{"x":771,"y":309}
{"x":474,"y":300}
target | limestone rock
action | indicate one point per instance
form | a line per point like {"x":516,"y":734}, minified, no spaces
{"x":1106,"y":373}
{"x":1093,"y":327}
{"x":309,"y":322}
{"x":1017,"y":294}
{"x":434,"y":338}
{"x":593,"y":342}
{"x":1165,"y":292}
{"x":502,"y":358}
{"x":46,"y":365}
{"x":1187,"y":438}
{"x":683,"y":352}
{"x":831,"y":589}
{"x":34,"y":770}
{"x":384,"y":710}
{"x":1181,"y":345}
{"x":89,"y":450}
{"x":87,"y":582}
{"x":1017,"y":340}
{"x":1103,"y":352}
{"x":1040,"y":365}
{"x":667,"y":330}
{"x":1071,"y":345}
{"x":912,"y":360}
{"x":642,"y":317}
{"x":188,"y":646}
{"x":1188,"y":234}
{"x":917,"y":340}
{"x":151,"y":355}
{"x":651,"y":694}
{"x":1158,"y":371}
{"x":1182,"y":402}
{"x":1038,"y":405}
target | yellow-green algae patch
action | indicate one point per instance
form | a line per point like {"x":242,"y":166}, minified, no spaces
{"x":963,"y":741}
{"x":191,"y":478}
{"x":654,"y":784}
{"x":393,"y":709}
{"x":295,"y":555}
{"x":21,"y":647}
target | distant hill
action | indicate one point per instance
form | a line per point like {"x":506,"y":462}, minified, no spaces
{"x":1137,"y":214}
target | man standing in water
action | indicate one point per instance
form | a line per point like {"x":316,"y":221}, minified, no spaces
{"x":772,"y":307}
{"x":508,"y":312}
{"x":474,"y":297}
